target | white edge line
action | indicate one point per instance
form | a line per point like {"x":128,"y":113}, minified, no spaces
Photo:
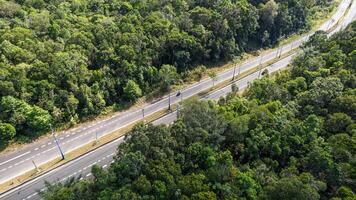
{"x":58,"y":168}
{"x":15,"y":158}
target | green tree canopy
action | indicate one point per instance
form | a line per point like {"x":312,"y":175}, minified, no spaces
{"x":132,"y":90}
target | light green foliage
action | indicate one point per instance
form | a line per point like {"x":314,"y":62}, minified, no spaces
{"x":196,"y":74}
{"x":291,"y":136}
{"x":31,"y":120}
{"x":75,"y":58}
{"x":9,"y":8}
{"x":132,"y":90}
{"x":345,"y":193}
{"x":168,"y":75}
{"x":7,"y":132}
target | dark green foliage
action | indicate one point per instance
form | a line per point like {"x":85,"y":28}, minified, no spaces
{"x":298,"y":143}
{"x":293,"y":188}
{"x":75,"y":58}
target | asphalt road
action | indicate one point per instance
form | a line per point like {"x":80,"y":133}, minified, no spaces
{"x":103,"y":155}
{"x":13,"y":164}
{"x":349,"y":17}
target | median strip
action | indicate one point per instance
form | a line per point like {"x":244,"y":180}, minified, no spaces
{"x":119,"y":133}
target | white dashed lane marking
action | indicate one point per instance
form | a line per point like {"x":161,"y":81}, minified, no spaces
{"x":73,"y":132}
{"x":32,"y":195}
{"x":15,"y":158}
{"x":79,"y":172}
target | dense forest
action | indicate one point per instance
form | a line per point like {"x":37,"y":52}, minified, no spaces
{"x":290,"y":136}
{"x":65,"y":61}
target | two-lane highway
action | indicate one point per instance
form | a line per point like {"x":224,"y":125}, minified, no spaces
{"x":21,"y":161}
{"x":16,"y":163}
{"x":103,"y":155}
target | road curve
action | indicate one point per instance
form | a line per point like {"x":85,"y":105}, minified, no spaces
{"x":103,"y":155}
{"x":45,"y":151}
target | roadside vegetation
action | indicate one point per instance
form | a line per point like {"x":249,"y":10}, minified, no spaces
{"x":62,"y":62}
{"x":289,"y":136}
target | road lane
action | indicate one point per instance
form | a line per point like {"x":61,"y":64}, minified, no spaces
{"x":80,"y":167}
{"x":103,"y":155}
{"x":14,"y":164}
{"x":348,"y":18}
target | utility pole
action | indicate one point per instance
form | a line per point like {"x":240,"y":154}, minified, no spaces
{"x":277,"y":52}
{"x":260,"y":65}
{"x":264,"y":38}
{"x":179,"y":94}
{"x":57,"y":143}
{"x":169,"y":99}
{"x":330,"y":22}
{"x":233,"y":76}
{"x":34,"y":164}
{"x":259,"y":73}
{"x":143,"y":114}
{"x":291,"y":48}
{"x":213,"y":77}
